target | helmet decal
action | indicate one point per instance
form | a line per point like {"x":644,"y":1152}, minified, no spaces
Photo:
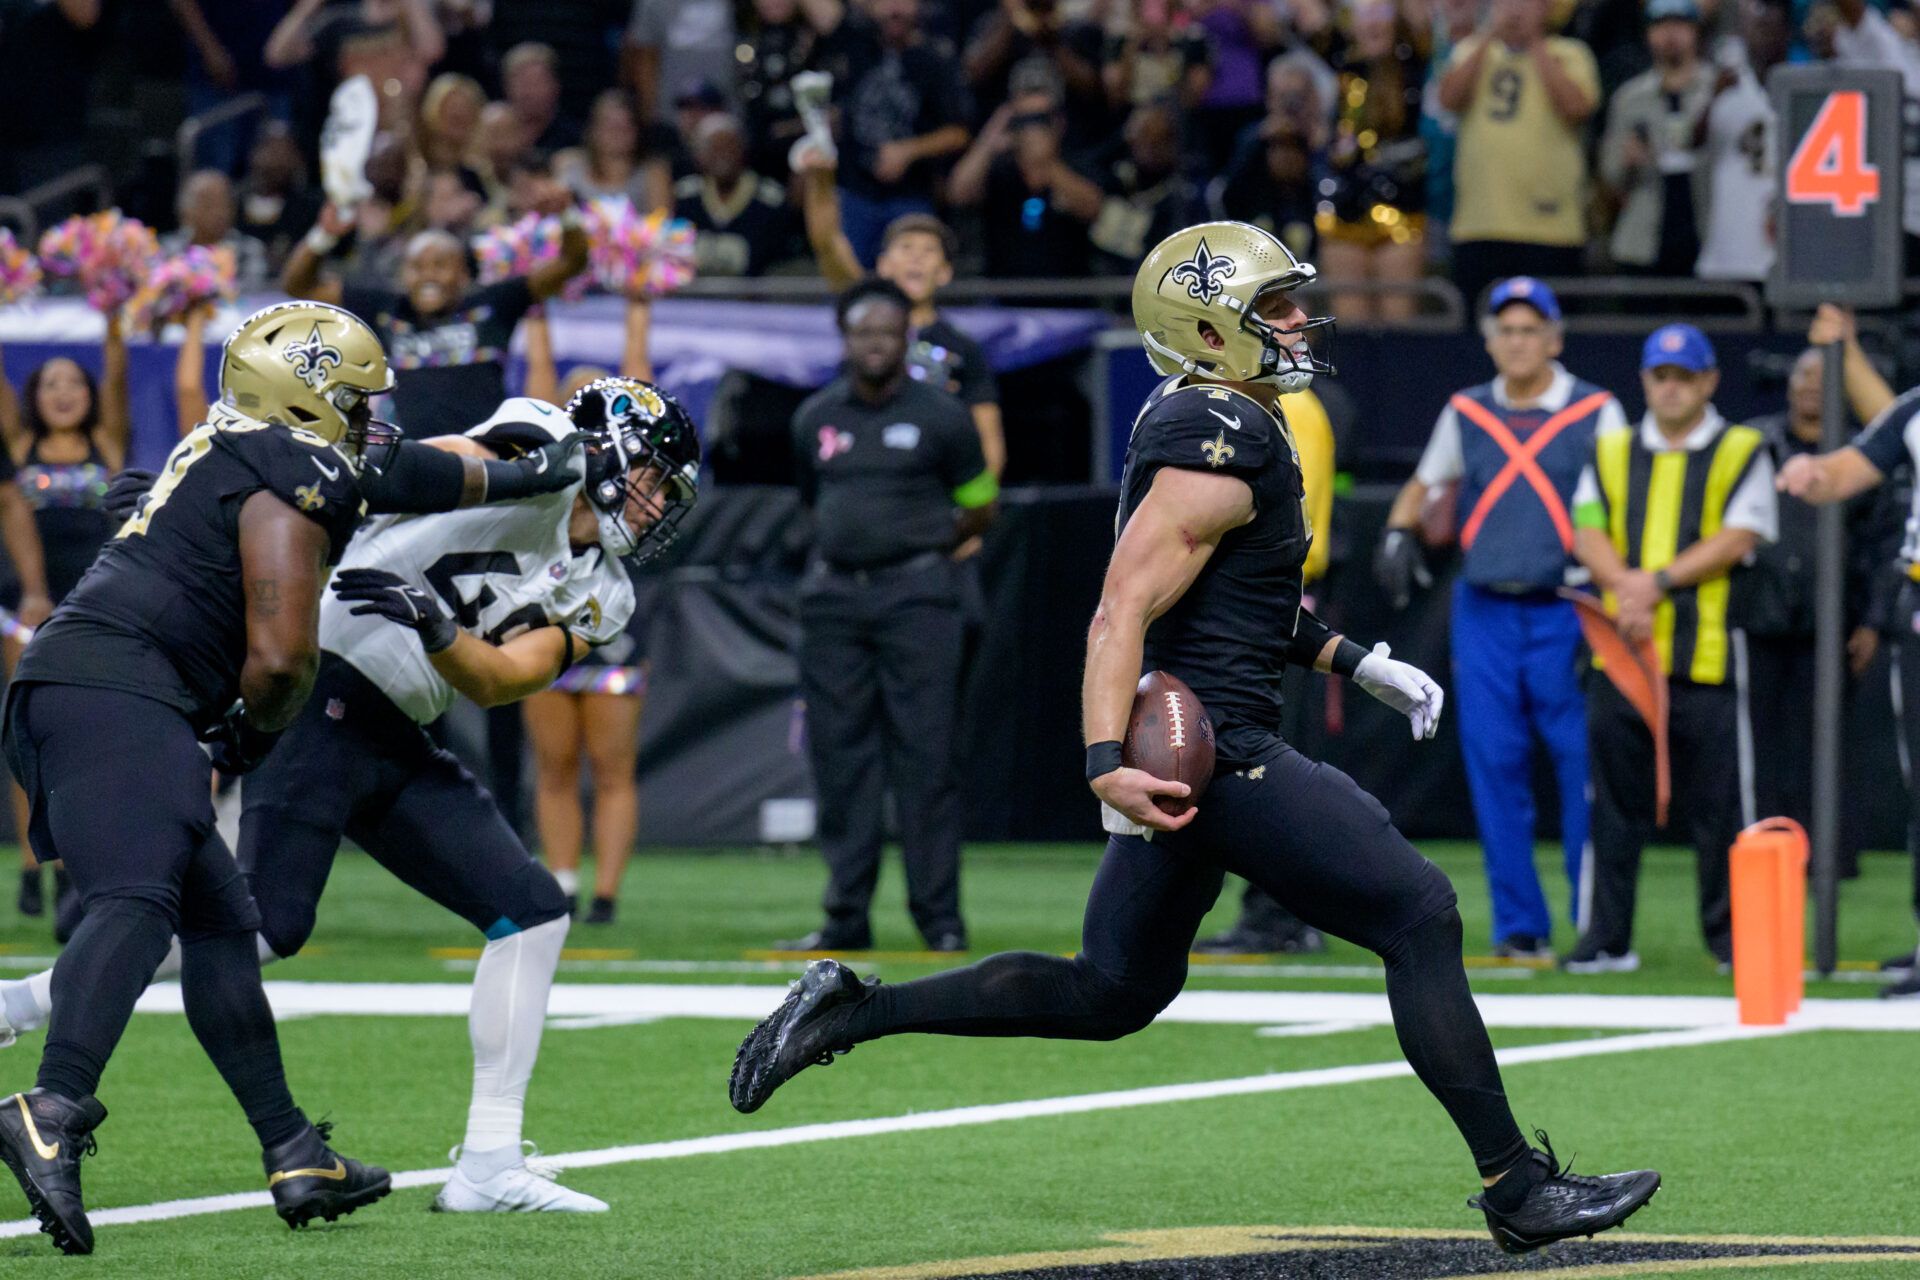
{"x":1204,"y":273}
{"x":311,"y":359}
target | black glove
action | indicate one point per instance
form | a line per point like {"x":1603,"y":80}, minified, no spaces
{"x":548,"y":469}
{"x":124,"y":491}
{"x":238,"y":747}
{"x":1399,"y":565}
{"x":397,"y":600}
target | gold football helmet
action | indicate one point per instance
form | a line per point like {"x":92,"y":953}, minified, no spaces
{"x":311,"y":366}
{"x":1217,"y":272}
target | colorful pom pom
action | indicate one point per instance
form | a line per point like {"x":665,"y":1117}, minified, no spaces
{"x":19,"y":270}
{"x":108,"y":254}
{"x":183,"y":282}
{"x":634,"y":252}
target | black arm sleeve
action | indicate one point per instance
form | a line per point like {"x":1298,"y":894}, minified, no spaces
{"x":1310,"y":636}
{"x":417,"y":478}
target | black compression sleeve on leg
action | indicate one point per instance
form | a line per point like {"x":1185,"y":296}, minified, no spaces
{"x":417,"y":478}
{"x":1445,"y":1041}
{"x":96,"y":981}
{"x":229,"y":1013}
{"x":1016,"y":993}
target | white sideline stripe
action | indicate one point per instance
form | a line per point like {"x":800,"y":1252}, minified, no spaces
{"x":955,"y":1118}
{"x":748,"y":1002}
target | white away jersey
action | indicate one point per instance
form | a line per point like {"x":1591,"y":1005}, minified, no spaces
{"x":1740,"y":146}
{"x":502,"y":570}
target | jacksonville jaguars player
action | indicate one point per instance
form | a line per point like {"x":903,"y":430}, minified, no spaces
{"x":197,"y":624}
{"x":493,"y":603}
{"x":1205,"y":583}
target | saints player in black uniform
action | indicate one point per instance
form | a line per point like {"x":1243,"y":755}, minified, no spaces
{"x":1205,"y":583}
{"x":197,"y":624}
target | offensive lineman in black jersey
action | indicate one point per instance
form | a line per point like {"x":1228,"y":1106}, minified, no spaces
{"x":197,"y":623}
{"x":1205,"y":584}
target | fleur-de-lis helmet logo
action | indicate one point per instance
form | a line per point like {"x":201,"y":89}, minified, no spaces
{"x":312,"y":358}
{"x":1204,"y":272}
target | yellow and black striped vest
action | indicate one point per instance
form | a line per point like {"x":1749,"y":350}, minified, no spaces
{"x":1659,"y":504}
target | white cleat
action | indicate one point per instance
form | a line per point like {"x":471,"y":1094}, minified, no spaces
{"x":527,"y":1187}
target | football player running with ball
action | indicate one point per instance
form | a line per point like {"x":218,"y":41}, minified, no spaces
{"x":492,"y":603}
{"x":1204,"y":583}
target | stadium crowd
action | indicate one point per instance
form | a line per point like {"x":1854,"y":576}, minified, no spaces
{"x":1384,"y":139}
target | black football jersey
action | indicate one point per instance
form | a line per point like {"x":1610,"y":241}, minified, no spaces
{"x":1227,"y":636}
{"x":161,"y":612}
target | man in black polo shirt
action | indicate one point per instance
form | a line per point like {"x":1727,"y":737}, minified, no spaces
{"x":894,"y":472}
{"x":446,"y":340}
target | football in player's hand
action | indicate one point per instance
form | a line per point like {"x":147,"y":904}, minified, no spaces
{"x":1170,"y":736}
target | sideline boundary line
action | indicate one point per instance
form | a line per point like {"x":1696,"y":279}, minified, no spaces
{"x":959,"y":1117}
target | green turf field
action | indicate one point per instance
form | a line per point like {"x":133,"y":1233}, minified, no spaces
{"x":1810,"y":1134}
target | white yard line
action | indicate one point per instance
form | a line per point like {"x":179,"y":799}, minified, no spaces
{"x":576,"y":1000}
{"x":956,"y":1118}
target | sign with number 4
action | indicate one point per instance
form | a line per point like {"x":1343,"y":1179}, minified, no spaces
{"x":1837,"y":220}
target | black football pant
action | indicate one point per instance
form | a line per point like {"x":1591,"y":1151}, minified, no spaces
{"x":352,"y":763}
{"x":1262,"y":918}
{"x":1307,"y":834}
{"x":1780,"y":673}
{"x":121,"y":790}
{"x":1906,"y":709}
{"x":1707,"y":736}
{"x":880,"y":656}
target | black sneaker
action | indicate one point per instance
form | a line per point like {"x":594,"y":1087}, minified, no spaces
{"x":827,"y":940}
{"x":947,"y":942}
{"x":1905,"y":989}
{"x":1902,"y":963}
{"x":1525,"y":948}
{"x":43,"y":1138}
{"x":1564,"y":1204}
{"x":601,"y":912}
{"x":32,"y":900}
{"x":310,"y":1180}
{"x":801,"y":1033}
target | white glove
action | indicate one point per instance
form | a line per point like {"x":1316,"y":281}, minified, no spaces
{"x":346,"y":140}
{"x":1405,"y":688}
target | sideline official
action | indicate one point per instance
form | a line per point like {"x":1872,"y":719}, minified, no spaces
{"x":895,"y":474}
{"x":1516,"y":447}
{"x":1665,"y":513}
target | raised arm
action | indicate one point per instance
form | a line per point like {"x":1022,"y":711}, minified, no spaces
{"x":116,"y":413}
{"x":1462,"y":78}
{"x":13,"y":429}
{"x":820,"y":207}
{"x":1165,"y":545}
{"x":967,"y":184}
{"x":22,"y":538}
{"x":636,"y":357}
{"x":291,"y":43}
{"x":550,"y":277}
{"x":283,"y":563}
{"x":543,"y":375}
{"x":190,"y":372}
{"x":301,"y":276}
{"x":1570,"y":99}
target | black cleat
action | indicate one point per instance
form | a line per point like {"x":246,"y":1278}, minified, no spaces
{"x":310,"y":1180}
{"x":32,"y":901}
{"x":43,"y":1138}
{"x":1564,"y":1204}
{"x":799,"y":1034}
{"x":601,"y":912}
{"x":827,"y":940}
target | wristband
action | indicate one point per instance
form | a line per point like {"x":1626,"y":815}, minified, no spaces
{"x":1663,"y":580}
{"x":1347,"y":657}
{"x":321,"y":240}
{"x":1102,"y":758}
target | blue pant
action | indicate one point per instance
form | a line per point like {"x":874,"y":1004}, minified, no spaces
{"x":865,"y":220}
{"x":1514,"y":676}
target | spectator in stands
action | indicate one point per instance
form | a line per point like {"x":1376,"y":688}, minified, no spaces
{"x":1662,"y":549}
{"x":1146,"y":197}
{"x":610,"y":163}
{"x":449,"y":132}
{"x":1035,"y":209}
{"x":1454,"y":22}
{"x":1516,"y":644}
{"x":917,"y":253}
{"x":275,"y":206}
{"x":1520,"y":171}
{"x":1154,"y":50}
{"x":593,"y":709}
{"x":391,"y":42}
{"x":382,"y":223}
{"x":453,"y":202}
{"x":1374,"y":228}
{"x":583,"y":34}
{"x":778,"y":44}
{"x":1272,"y":186}
{"x":1019,"y":30}
{"x":64,"y":437}
{"x":1862,"y":36}
{"x":902,"y":112}
{"x":530,"y":79}
{"x":227,"y":41}
{"x":1775,"y":604}
{"x":446,"y":340}
{"x":48,"y":51}
{"x":207,"y":212}
{"x":744,"y":222}
{"x":500,"y":146}
{"x":674,"y":43}
{"x":1648,"y":158}
{"x":1242,"y":34}
{"x":1736,"y":140}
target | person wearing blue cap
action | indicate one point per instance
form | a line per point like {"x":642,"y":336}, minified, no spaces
{"x":1666,"y":512}
{"x":1515,"y":446}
